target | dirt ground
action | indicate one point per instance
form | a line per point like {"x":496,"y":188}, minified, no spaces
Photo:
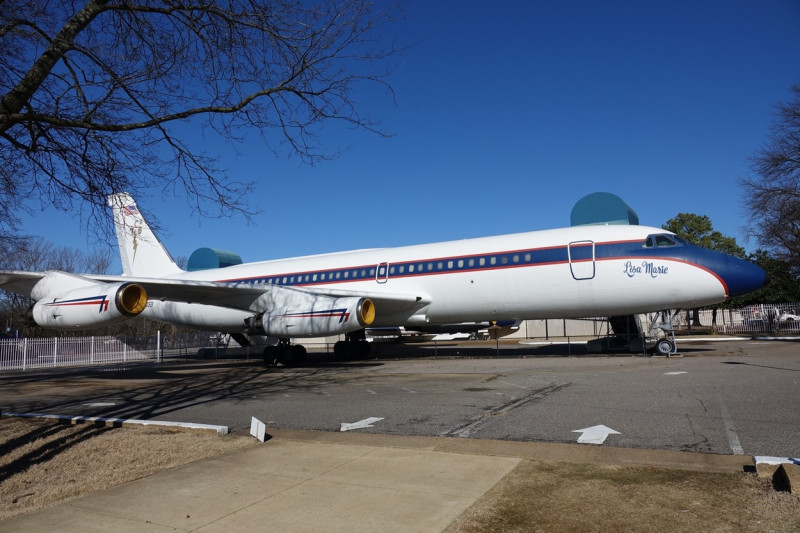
{"x":43,"y":463}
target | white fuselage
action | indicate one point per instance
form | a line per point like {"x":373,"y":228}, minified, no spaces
{"x":541,"y":274}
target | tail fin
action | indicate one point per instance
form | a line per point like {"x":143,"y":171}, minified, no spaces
{"x":140,"y":251}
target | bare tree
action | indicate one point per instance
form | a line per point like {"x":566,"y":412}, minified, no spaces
{"x":772,"y":194}
{"x":94,"y":93}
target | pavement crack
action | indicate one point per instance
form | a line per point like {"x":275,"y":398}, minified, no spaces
{"x":468,"y":428}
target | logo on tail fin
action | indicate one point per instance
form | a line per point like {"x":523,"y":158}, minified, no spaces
{"x":135,"y":230}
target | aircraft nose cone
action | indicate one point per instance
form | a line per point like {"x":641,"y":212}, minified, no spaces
{"x":742,"y":277}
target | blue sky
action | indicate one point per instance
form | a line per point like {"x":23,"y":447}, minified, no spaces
{"x":506,"y":115}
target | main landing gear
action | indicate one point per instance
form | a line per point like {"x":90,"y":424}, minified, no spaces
{"x":285,"y":353}
{"x":355,"y":346}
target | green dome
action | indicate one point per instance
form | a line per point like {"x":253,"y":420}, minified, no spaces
{"x":602,"y":208}
{"x":206,"y":258}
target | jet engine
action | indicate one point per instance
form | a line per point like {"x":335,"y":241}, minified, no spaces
{"x":99,"y":304}
{"x":315,"y":316}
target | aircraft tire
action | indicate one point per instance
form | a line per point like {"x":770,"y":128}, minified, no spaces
{"x":297,"y":355}
{"x":341,"y":349}
{"x":665,"y":347}
{"x":291,"y":354}
{"x":351,"y":349}
{"x":271,"y":356}
{"x":361,"y":349}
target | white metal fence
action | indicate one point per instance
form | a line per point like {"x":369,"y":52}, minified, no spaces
{"x":24,"y":354}
{"x":27,"y":353}
{"x":758,"y":319}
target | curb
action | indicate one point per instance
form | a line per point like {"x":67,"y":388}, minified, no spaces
{"x":124,"y":422}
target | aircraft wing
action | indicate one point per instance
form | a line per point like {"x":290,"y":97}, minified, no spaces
{"x":19,"y":281}
{"x":243,"y":296}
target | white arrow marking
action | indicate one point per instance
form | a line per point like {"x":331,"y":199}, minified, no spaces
{"x":595,"y":434}
{"x":361,"y":424}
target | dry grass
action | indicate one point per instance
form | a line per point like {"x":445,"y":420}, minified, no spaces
{"x":43,"y":463}
{"x":569,"y":497}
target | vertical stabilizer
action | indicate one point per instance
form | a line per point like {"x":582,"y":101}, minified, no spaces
{"x":140,"y":251}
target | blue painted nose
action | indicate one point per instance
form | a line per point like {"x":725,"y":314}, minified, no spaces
{"x":741,"y":276}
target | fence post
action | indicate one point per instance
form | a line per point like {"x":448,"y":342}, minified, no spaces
{"x":158,"y":346}
{"x":91,"y":351}
{"x":55,"y":350}
{"x":24,"y":353}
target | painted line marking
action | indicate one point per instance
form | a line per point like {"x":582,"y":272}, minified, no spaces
{"x":730,"y":430}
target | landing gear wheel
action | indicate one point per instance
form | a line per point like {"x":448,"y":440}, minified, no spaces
{"x":341,"y":349}
{"x":286,"y":354}
{"x":352,"y":349}
{"x":297,"y":355}
{"x":665,"y":347}
{"x":271,"y":355}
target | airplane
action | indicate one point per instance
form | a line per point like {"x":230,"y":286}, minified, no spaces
{"x":571,"y":272}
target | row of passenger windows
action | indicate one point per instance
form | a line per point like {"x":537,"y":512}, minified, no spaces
{"x":404,"y":269}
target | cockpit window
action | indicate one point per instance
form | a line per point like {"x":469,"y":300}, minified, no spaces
{"x":663,"y":241}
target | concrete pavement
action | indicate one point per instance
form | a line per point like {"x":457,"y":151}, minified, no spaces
{"x":316,"y":481}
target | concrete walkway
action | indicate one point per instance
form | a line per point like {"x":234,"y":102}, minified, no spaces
{"x":313,"y":481}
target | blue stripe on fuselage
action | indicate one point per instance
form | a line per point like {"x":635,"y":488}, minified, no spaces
{"x":737,"y":275}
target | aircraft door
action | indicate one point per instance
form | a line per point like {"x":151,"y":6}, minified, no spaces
{"x":382,"y":272}
{"x":581,"y":259}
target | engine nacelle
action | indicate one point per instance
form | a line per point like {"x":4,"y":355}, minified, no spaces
{"x":100,"y":304}
{"x":315,"y":316}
